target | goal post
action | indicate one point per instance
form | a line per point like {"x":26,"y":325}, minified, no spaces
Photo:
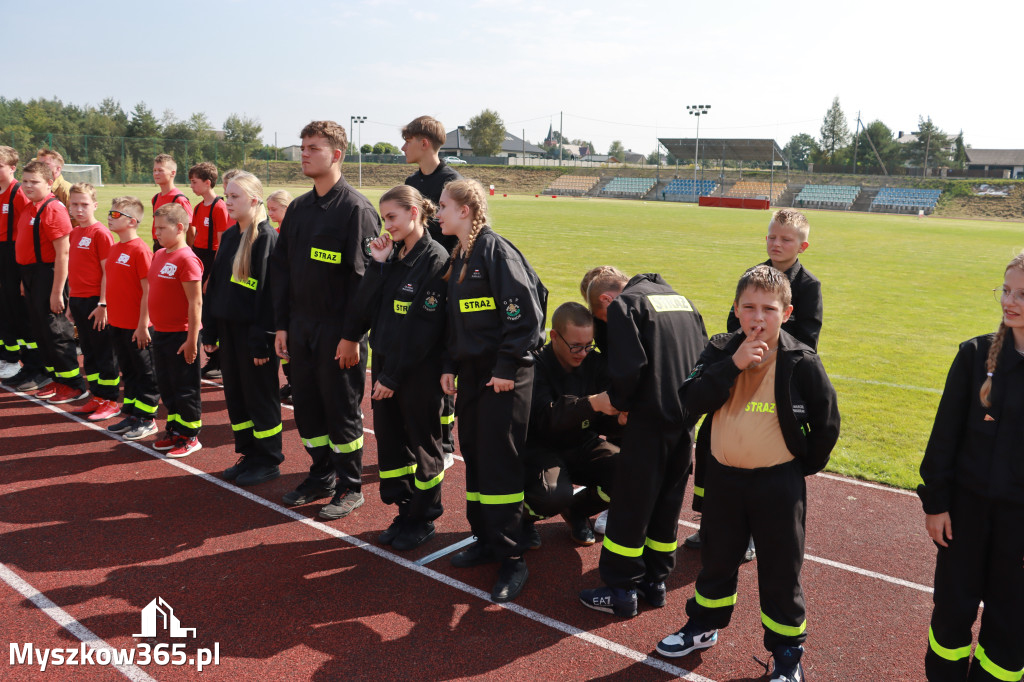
{"x":83,"y":172}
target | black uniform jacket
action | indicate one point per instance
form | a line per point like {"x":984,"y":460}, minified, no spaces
{"x":979,"y":448}
{"x":560,"y":413}
{"x":497,"y":313}
{"x":805,"y":322}
{"x":431,"y":187}
{"x":655,"y":336}
{"x":805,"y":399}
{"x":402,"y":302}
{"x":249,"y":302}
{"x":320,"y":258}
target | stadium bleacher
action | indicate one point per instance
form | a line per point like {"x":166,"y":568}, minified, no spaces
{"x":572,"y":184}
{"x":750,"y":189}
{"x":688,"y":190}
{"x":827,"y":196}
{"x":634,"y":186}
{"x":900,"y":199}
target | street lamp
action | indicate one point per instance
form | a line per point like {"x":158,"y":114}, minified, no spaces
{"x":697,"y":110}
{"x":360,"y":120}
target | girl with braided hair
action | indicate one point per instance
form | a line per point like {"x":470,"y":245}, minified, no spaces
{"x":973,"y":498}
{"x":496,"y":309}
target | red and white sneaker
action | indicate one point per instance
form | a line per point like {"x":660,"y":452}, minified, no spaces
{"x":106,"y":410}
{"x":46,"y":392}
{"x":166,"y":441}
{"x":185,"y":447}
{"x":66,"y":394}
{"x":90,"y":407}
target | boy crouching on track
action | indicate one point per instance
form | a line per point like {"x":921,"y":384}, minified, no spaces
{"x":772,"y":420}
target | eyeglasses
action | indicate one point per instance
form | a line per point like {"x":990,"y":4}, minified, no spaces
{"x":577,"y":348}
{"x":113,"y":215}
{"x":1003,"y":292}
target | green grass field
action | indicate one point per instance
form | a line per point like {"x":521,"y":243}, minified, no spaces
{"x":899,"y":292}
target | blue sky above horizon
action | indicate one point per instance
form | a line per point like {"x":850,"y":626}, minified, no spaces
{"x":618,"y":71}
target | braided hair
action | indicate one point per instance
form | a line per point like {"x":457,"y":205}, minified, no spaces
{"x":997,"y":343}
{"x":467,"y":193}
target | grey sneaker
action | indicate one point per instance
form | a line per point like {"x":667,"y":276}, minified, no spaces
{"x":142,"y":430}
{"x":342,"y":504}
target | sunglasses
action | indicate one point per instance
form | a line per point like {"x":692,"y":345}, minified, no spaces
{"x":120,"y":214}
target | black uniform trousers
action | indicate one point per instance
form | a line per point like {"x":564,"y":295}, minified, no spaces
{"x":141,"y":396}
{"x":551,"y":475}
{"x":448,"y":423}
{"x":15,"y":327}
{"x":54,"y":333}
{"x":97,"y":346}
{"x":327,"y":402}
{"x":769,"y":504}
{"x":650,"y":480}
{"x":179,"y":383}
{"x":252,"y":395}
{"x":492,"y":431}
{"x":408,"y":432}
{"x":984,"y":562}
{"x":206,"y":257}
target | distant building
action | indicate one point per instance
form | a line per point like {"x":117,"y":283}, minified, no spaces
{"x":292,"y":153}
{"x":1009,"y":161}
{"x":457,"y":144}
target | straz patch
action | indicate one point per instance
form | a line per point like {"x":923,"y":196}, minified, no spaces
{"x":333,"y":257}
{"x":512,"y":310}
{"x":664,"y":303}
{"x":472,"y":305}
{"x":401,"y":307}
{"x":250,"y":283}
{"x":431,"y":302}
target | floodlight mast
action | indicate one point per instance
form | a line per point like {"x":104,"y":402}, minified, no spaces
{"x":697,"y":110}
{"x":360,"y":120}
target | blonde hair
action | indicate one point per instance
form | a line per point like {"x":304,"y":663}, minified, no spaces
{"x":9,"y":156}
{"x":409,"y":197}
{"x":250,"y":185}
{"x":610,"y":279}
{"x":83,"y":188}
{"x":166,"y":160}
{"x":997,"y":342}
{"x":281,"y":197}
{"x":467,"y":193}
{"x":790,"y":217}
{"x":593,"y":273}
{"x":129,"y":202}
{"x":50,"y":154}
{"x":228,"y":175}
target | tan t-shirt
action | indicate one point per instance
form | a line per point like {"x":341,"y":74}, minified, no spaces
{"x":745,"y":433}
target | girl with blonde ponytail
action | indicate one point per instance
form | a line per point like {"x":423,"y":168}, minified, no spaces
{"x":238,"y":316}
{"x":496,"y":309}
{"x":973,"y":498}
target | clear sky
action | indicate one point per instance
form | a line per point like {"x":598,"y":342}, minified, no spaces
{"x":617,"y":69}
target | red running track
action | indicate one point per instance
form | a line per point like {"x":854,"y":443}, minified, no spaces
{"x":93,"y":529}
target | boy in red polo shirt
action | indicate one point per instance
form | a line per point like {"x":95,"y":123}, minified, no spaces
{"x":175,"y":308}
{"x":164,"y":169}
{"x":128,"y":316}
{"x":41,"y":249}
{"x":90,"y":245}
{"x":15,"y":330}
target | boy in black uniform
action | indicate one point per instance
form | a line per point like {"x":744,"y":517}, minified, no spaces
{"x":424,"y":136}
{"x":773,"y":420}
{"x":316,"y":268}
{"x":564,"y":445}
{"x":654,"y":338}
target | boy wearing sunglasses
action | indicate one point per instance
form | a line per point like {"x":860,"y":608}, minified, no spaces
{"x":128,"y":317}
{"x":564,"y":445}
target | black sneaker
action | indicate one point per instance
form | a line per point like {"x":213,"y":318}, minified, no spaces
{"x":476,"y":554}
{"x":687,"y":640}
{"x":413,"y":535}
{"x":232,"y":472}
{"x":531,"y":535}
{"x":692,"y":541}
{"x":511,"y":578}
{"x":391,"y":532}
{"x":654,"y":594}
{"x":257,"y":473}
{"x":307,"y":492}
{"x":786,"y":664}
{"x":211,"y":370}
{"x":342,"y":504}
{"x":125,"y":425}
{"x":286,"y":394}
{"x":751,"y":553}
{"x":580,"y":530}
{"x":19,"y":377}
{"x":614,"y":600}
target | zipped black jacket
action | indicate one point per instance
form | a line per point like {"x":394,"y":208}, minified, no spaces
{"x":655,"y":336}
{"x":805,"y":400}
{"x":248,"y":302}
{"x":497,"y":313}
{"x":805,"y":322}
{"x":402,"y":303}
{"x":979,"y":448}
{"x":320,"y":257}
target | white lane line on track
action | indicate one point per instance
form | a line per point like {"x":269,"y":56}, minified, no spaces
{"x":874,"y":486}
{"x":584,"y":635}
{"x":875,"y":382}
{"x":64,"y":619}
